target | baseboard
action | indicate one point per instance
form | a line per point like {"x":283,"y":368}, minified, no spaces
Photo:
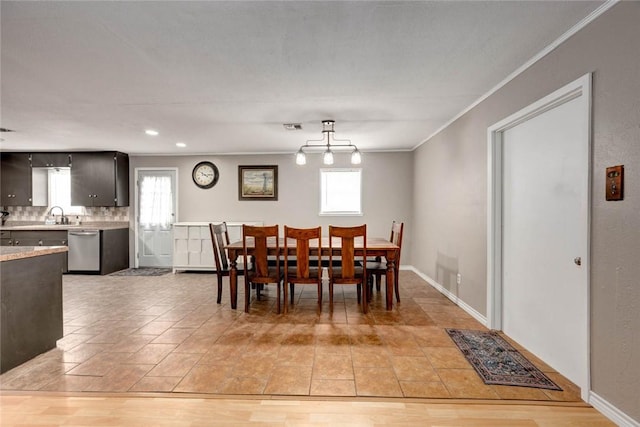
{"x":600,"y":404}
{"x":611,"y":412}
{"x":447,"y":293}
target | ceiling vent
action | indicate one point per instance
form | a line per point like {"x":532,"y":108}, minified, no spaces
{"x":292,"y":126}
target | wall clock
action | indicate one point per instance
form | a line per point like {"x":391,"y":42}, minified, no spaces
{"x":205,"y":174}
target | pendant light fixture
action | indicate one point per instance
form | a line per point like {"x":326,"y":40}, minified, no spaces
{"x":328,"y":143}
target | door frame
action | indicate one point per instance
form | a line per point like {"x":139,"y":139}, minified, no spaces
{"x":580,"y":88}
{"x":136,"y":259}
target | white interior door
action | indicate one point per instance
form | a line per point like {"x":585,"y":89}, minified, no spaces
{"x":156,"y":208}
{"x":545,"y":231}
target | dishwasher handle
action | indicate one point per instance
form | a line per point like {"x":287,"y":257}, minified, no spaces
{"x":83,"y":233}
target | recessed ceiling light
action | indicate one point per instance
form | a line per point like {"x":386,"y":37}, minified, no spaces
{"x":151,"y":132}
{"x":181,"y":144}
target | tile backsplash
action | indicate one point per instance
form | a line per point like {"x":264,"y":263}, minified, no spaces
{"x":39,"y":214}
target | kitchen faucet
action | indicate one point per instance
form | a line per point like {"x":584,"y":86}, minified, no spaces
{"x":63,"y":219}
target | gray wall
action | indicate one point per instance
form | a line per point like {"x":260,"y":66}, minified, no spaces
{"x":387,"y":192}
{"x":450,"y":188}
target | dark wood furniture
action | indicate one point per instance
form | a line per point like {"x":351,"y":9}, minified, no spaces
{"x":255,"y":243}
{"x":38,"y":238}
{"x":50,"y":160}
{"x":97,"y":178}
{"x":378,"y":268}
{"x":114,"y":244}
{"x":114,"y":250}
{"x":349,"y":272}
{"x":302,"y":239}
{"x":376,"y":246}
{"x":15,"y":179}
{"x":31,"y":314}
{"x":220,"y":239}
{"x":100,"y":179}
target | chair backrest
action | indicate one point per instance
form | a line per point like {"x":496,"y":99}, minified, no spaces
{"x":257,"y":236}
{"x":346,"y":237}
{"x":303,"y":238}
{"x":396,"y":237}
{"x":220,"y":238}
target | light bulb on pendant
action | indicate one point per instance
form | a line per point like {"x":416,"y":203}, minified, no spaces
{"x":356,"y":157}
{"x":327,"y":157}
{"x":301,"y":158}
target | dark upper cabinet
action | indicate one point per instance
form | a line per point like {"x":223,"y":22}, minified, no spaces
{"x":15,"y":179}
{"x":100,"y":179}
{"x":50,"y":160}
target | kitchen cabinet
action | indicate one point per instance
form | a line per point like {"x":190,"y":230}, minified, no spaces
{"x":5,"y":238}
{"x":100,"y":179}
{"x":39,"y":238}
{"x":31,"y":313}
{"x":50,"y":160}
{"x":15,"y":179}
{"x":114,"y":250}
{"x":110,"y":253}
{"x":36,"y":238}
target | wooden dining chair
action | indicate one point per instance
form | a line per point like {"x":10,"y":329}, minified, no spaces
{"x":378,"y":269}
{"x":261,"y":272}
{"x":219,"y":239}
{"x":301,"y":271}
{"x":350,"y":271}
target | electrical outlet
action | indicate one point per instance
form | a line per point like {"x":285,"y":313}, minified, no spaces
{"x":459,"y":278}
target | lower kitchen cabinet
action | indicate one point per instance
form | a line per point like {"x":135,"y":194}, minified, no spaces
{"x":113,"y":252}
{"x":36,"y":238}
{"x":39,"y":238}
{"x":98,"y":251}
{"x":31,"y":313}
{"x":5,"y":238}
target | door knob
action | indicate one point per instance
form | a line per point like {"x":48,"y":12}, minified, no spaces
{"x":577,"y":260}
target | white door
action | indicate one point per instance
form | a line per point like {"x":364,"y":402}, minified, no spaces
{"x":545,"y":234}
{"x":156,"y":208}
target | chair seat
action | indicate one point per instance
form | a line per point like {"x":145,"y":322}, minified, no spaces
{"x":271,"y":277}
{"x":337,"y":272}
{"x":313,"y":274}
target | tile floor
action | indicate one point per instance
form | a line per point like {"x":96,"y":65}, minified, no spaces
{"x":167,"y":334}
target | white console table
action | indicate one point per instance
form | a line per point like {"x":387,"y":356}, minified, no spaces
{"x":192,"y":247}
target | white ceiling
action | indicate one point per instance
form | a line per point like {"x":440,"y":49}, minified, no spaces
{"x":224,"y":76}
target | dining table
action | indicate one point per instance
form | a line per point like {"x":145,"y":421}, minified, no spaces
{"x":376,"y":247}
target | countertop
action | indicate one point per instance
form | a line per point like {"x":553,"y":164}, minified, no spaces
{"x":9,"y":253}
{"x":84,"y":226}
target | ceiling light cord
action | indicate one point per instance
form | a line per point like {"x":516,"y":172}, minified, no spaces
{"x":328,"y":144}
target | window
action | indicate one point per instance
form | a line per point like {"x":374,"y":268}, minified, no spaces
{"x":60,"y":191}
{"x":156,"y":201}
{"x":340,"y":192}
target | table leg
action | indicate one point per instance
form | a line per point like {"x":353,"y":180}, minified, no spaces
{"x":390,"y":280}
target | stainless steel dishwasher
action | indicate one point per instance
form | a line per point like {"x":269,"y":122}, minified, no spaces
{"x":84,"y":250}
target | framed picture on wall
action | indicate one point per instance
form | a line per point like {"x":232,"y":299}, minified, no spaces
{"x":258,"y":182}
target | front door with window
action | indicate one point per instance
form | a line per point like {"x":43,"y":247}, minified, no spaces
{"x":156,"y":208}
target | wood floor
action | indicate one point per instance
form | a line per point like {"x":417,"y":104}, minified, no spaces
{"x":165,"y":353}
{"x":96,"y":411}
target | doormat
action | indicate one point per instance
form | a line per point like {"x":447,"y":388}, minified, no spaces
{"x":497,"y":362}
{"x":142,"y":271}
